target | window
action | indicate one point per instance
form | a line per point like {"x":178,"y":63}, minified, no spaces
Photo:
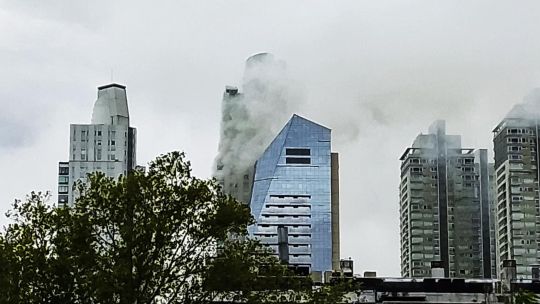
{"x":63,"y":179}
{"x":514,"y":140}
{"x":517,"y":198}
{"x":516,"y":131}
{"x":467,"y":177}
{"x":63,"y":170}
{"x":63,"y":189}
{"x":62,"y":198}
{"x":298,"y":160}
{"x":298,"y":151}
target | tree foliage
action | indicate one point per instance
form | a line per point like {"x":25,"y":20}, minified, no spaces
{"x":161,"y":236}
{"x":525,"y":297}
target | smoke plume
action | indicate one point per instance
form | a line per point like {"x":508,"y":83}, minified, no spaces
{"x":529,"y":108}
{"x":252,"y":117}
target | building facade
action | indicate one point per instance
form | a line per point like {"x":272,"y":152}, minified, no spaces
{"x":518,"y":208}
{"x":296,"y":185}
{"x":107,"y":144}
{"x":235,"y":175}
{"x":250,"y":121}
{"x":445,"y":207}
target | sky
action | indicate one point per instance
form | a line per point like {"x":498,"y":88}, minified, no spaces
{"x":376,"y":72}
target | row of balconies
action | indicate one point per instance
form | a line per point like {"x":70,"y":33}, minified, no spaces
{"x":286,"y":211}
{"x":293,"y":240}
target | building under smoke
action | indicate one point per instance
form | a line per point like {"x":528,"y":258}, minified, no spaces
{"x":518,"y":208}
{"x":445,"y":207}
{"x":250,"y":119}
{"x":291,"y":182}
{"x":107,"y":144}
{"x":296,"y":186}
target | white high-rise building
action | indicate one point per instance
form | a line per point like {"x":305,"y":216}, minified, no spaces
{"x":107,"y":144}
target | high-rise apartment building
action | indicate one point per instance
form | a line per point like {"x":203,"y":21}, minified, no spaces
{"x":518,"y":207}
{"x":107,"y":144}
{"x":296,"y":185}
{"x":445,"y":207}
{"x":233,"y":171}
{"x":249,"y":122}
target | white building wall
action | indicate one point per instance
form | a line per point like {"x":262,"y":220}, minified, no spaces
{"x":108,"y":144}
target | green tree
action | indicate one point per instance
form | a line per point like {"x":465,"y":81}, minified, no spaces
{"x":525,"y":297}
{"x":162,"y":236}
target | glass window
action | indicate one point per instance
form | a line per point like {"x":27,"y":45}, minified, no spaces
{"x":63,"y":170}
{"x":297,"y":151}
{"x":298,"y":160}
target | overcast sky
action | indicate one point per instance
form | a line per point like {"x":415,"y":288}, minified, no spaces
{"x":376,"y":72}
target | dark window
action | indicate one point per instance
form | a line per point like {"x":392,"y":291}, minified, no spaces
{"x":302,"y":160}
{"x":63,"y":170}
{"x":297,"y":151}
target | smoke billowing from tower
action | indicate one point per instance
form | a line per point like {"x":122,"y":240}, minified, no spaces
{"x":250,"y":119}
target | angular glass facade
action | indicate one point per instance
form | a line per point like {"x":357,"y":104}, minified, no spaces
{"x":292,"y":188}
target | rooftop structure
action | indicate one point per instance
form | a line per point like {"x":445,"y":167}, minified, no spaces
{"x":107,"y":144}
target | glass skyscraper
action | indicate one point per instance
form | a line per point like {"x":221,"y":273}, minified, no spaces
{"x":296,"y":186}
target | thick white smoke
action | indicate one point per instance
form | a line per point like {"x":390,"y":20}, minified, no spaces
{"x":253,"y":116}
{"x":529,"y":109}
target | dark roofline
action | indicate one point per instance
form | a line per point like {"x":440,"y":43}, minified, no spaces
{"x":427,"y":285}
{"x":405,"y":154}
{"x":112,"y":85}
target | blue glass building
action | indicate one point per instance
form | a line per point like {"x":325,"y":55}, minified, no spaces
{"x":296,"y":186}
